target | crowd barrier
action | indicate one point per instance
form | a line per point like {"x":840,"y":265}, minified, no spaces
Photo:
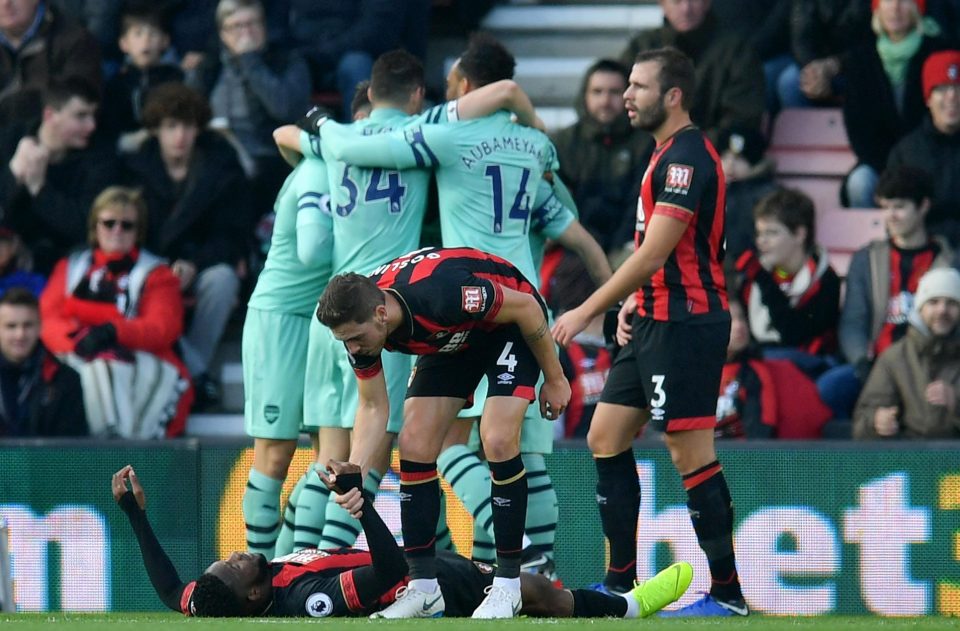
{"x":820,"y":527}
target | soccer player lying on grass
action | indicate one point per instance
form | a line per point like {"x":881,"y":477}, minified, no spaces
{"x":351,"y":582}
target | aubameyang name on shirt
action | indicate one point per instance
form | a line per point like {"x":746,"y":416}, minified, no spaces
{"x":503,"y":143}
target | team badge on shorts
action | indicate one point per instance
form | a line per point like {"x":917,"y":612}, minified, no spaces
{"x":473,"y":299}
{"x":271,"y":413}
{"x":679,"y":178}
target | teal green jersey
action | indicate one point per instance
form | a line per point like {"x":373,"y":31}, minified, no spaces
{"x":377,"y":212}
{"x":286,"y":284}
{"x":489,"y":175}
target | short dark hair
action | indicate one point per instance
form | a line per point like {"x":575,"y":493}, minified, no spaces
{"x":60,"y":91}
{"x":395,"y":76}
{"x":486,"y":60}
{"x":606,"y":65}
{"x":360,"y":97}
{"x":349,"y":297}
{"x":20,"y":297}
{"x":905,"y":182}
{"x":176,"y":101}
{"x":792,"y":208}
{"x":138,"y":13}
{"x":212,"y":598}
{"x":676,"y":71}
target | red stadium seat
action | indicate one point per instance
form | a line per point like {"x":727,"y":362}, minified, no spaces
{"x":843,"y":231}
{"x":811,"y":143}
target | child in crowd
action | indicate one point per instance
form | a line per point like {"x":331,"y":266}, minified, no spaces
{"x":143,"y":39}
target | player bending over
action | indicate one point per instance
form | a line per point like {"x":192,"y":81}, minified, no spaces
{"x":351,"y":582}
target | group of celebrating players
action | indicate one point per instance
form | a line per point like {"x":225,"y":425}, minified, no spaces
{"x":347,"y":229}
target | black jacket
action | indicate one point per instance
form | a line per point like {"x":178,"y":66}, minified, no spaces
{"x":939,"y":154}
{"x":603,"y":165}
{"x":126,"y":93}
{"x":55,"y":220}
{"x":48,"y":395}
{"x":873,"y":122}
{"x":206,"y":219}
{"x":823,"y":28}
{"x":729,"y":76}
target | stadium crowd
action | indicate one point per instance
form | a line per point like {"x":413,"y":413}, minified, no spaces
{"x":179,"y":100}
{"x":143,"y":201}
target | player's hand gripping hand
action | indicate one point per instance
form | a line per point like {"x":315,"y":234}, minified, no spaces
{"x":624,"y":316}
{"x":569,"y":324}
{"x":341,"y":477}
{"x":554,"y":397}
{"x":118,"y":485}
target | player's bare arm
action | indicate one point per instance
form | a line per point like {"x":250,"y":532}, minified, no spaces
{"x":499,"y":95}
{"x":370,"y":422}
{"x":525,"y":311}
{"x":662,"y":236}
{"x":287,"y":139}
{"x":576,"y":239}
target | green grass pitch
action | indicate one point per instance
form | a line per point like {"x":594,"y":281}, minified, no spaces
{"x":166,"y":622}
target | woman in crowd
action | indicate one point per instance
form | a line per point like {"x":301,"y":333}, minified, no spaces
{"x":115,"y":312}
{"x":884,"y":96}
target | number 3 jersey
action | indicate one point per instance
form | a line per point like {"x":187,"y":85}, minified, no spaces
{"x":449,"y":297}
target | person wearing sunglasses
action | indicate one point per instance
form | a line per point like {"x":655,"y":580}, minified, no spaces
{"x":114,"y":313}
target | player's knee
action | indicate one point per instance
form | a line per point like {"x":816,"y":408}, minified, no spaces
{"x":417,"y":443}
{"x":499,"y":448}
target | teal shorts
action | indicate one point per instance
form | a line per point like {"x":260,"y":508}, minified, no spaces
{"x":274,"y":354}
{"x":331,"y":385}
{"x":325,"y":381}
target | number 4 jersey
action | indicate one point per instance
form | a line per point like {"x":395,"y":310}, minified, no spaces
{"x":449,"y":297}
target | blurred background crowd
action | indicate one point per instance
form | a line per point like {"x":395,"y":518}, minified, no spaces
{"x":138,"y":175}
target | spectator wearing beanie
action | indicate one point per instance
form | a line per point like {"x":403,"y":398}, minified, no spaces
{"x":749,"y":176}
{"x":935,"y":145}
{"x":912,"y":389}
{"x":884,"y":97}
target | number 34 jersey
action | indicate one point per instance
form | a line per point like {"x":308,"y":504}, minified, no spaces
{"x":489,"y":177}
{"x":449,"y":297}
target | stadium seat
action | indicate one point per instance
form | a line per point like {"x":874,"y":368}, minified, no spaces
{"x":824,"y":191}
{"x":843,"y":231}
{"x":811,"y":143}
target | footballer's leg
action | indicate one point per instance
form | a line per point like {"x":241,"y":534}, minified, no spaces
{"x":500,"y":435}
{"x":618,"y":489}
{"x":536,"y":439}
{"x":273,"y":412}
{"x":470,"y":479}
{"x":541,"y":598}
{"x":261,"y":498}
{"x":683,"y":406}
{"x":619,"y":415}
{"x":426,"y":420}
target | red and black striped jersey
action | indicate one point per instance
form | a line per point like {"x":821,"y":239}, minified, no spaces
{"x":316,"y":583}
{"x":684,"y":180}
{"x":449,"y":297}
{"x":906,"y":268}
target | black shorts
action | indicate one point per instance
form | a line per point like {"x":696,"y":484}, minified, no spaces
{"x":462,"y":582}
{"x":503,"y":356}
{"x":673,"y":369}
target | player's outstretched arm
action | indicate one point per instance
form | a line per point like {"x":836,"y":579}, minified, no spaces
{"x":527,"y":313}
{"x":370,"y":422}
{"x":163,"y":575}
{"x":389,"y":566}
{"x":576,"y":239}
{"x":662,"y":236}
